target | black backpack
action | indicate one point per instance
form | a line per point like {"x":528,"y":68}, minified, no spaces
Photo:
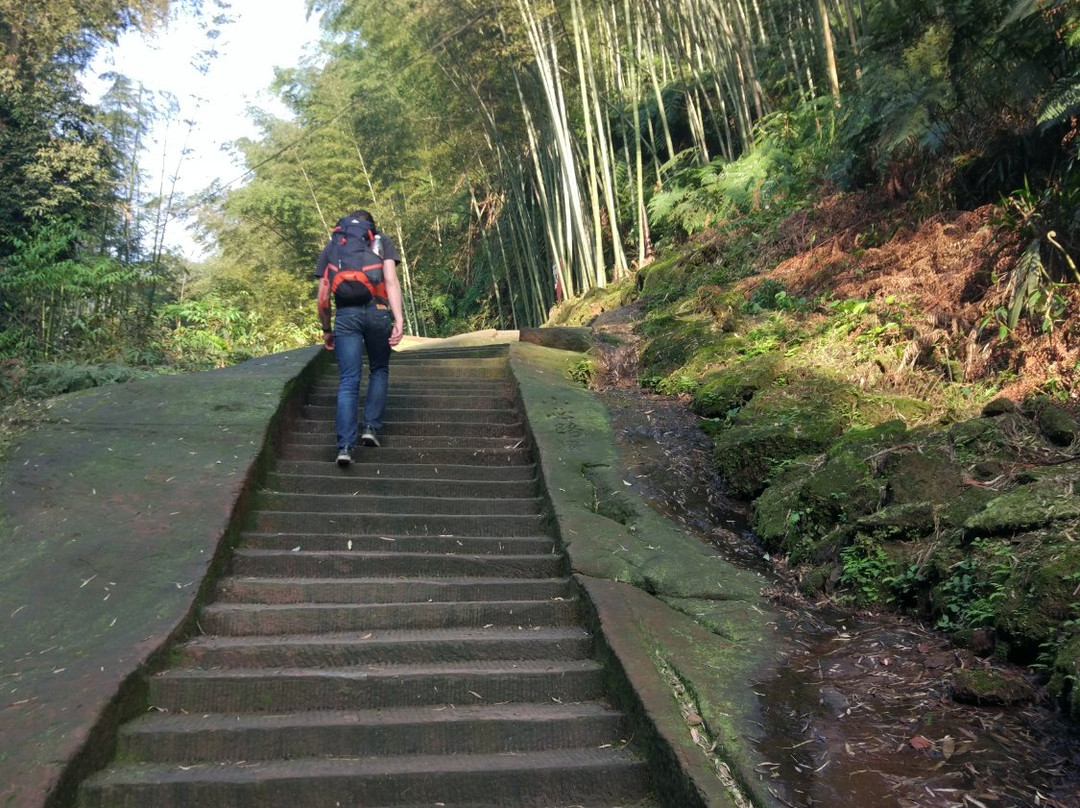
{"x":354,"y":263}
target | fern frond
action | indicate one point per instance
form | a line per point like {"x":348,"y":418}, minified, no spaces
{"x":1064,"y":99}
{"x":1027,"y":279}
{"x":1020,"y":11}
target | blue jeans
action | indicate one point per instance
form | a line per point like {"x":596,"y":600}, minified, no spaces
{"x":355,"y":327}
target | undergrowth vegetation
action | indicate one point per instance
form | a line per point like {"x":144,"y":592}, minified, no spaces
{"x":890,"y":382}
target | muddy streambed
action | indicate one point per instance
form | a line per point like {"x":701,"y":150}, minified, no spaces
{"x":858,"y":710}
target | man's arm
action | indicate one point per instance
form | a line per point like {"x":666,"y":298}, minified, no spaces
{"x":324,"y":304}
{"x":393,"y":294}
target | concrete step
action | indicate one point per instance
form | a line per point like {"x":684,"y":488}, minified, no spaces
{"x":510,"y":729}
{"x":423,"y":415}
{"x":470,"y":545}
{"x":391,"y":455}
{"x":328,"y":441}
{"x":387,"y":647}
{"x":578,"y":777}
{"x":462,"y":399}
{"x":276,"y":690}
{"x":425,"y":353}
{"x":260,"y":619}
{"x":435,"y":372}
{"x":389,"y":524}
{"x":396,"y":429}
{"x":381,"y":486}
{"x":406,"y":471}
{"x":271,"y":563}
{"x":382,"y":590}
{"x":329,"y":384}
{"x":363,"y":502}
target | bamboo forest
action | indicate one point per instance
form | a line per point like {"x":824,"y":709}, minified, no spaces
{"x":840,"y":237}
{"x":507,"y":146}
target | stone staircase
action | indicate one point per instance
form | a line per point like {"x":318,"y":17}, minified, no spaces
{"x":399,"y":633}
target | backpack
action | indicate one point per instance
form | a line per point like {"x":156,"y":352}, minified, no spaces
{"x":354,"y":264}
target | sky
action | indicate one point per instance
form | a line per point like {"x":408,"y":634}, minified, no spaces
{"x":264,"y":34}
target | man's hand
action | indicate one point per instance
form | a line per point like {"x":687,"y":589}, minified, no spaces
{"x":328,"y":340}
{"x":396,"y":334}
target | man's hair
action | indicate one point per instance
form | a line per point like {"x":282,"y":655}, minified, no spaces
{"x":363,"y":215}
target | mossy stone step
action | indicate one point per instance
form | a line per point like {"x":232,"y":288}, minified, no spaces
{"x":463,"y":399}
{"x":387,"y":590}
{"x":508,"y":729}
{"x":260,"y":619}
{"x":407,"y":471}
{"x":475,"y":503}
{"x":387,"y":647}
{"x":599,"y":777}
{"x":504,"y":415}
{"x":394,"y":565}
{"x":394,"y":428}
{"x":272,"y":690}
{"x":443,"y":545}
{"x":389,"y":524}
{"x":337,"y":485}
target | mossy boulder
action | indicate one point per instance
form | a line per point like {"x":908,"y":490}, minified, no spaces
{"x":1039,"y":594}
{"x":723,"y":391}
{"x":667,"y":278}
{"x":868,"y":442}
{"x":774,"y":511}
{"x":1065,"y":675}
{"x":977,"y":437}
{"x":989,"y":686}
{"x":907,"y":521}
{"x":1059,"y":427}
{"x":1026,"y":507}
{"x":999,"y":406}
{"x":807,"y":515}
{"x":922,"y":472}
{"x":748,"y":456}
{"x":677,"y":341}
{"x":778,"y":424}
{"x":583,"y":310}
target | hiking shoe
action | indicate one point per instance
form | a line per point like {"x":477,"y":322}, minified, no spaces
{"x":369,"y":438}
{"x":344,"y":456}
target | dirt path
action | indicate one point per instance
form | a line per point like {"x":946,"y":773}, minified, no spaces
{"x":860,"y":710}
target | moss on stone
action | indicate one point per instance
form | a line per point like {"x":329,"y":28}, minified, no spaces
{"x":1038,"y":596}
{"x":773,"y":509}
{"x":677,"y":341}
{"x":1024,"y":508}
{"x":1065,"y":675}
{"x":907,"y":521}
{"x":607,"y":501}
{"x":778,"y":424}
{"x":957,"y":510}
{"x":923,"y":473}
{"x":868,"y":441}
{"x":748,"y":456}
{"x":809,"y":515}
{"x":989,"y":686}
{"x":976,"y":436}
{"x":723,"y":391}
{"x":999,"y":406}
{"x":1059,"y":427}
